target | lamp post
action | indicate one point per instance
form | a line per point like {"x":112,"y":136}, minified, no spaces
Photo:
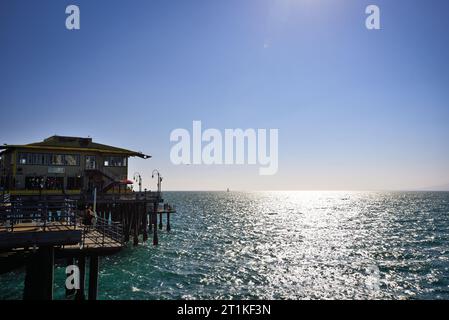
{"x":159,"y":179}
{"x":155,"y":207}
{"x":138,"y":177}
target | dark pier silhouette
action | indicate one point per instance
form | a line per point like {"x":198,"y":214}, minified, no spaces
{"x":44,"y":230}
{"x":69,"y":198}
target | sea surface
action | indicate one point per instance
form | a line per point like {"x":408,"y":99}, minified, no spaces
{"x":283,"y":245}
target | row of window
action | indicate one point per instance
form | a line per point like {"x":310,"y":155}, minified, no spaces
{"x":115,"y":162}
{"x":53,"y":183}
{"x":45,"y":159}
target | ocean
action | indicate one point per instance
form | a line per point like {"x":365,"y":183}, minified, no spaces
{"x":283,"y":245}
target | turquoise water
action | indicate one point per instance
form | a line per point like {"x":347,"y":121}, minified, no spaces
{"x":284,"y":245}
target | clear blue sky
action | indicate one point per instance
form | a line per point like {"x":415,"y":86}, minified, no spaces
{"x":356,"y":109}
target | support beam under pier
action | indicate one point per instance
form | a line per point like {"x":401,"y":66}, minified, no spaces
{"x":168,"y":221}
{"x":69,"y":292}
{"x":80,"y":295}
{"x":39,"y":275}
{"x":160,"y":221}
{"x":93,"y":277}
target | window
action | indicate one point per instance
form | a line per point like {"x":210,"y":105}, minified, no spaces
{"x":71,"y":160}
{"x":91,"y":162}
{"x":34,"y":183}
{"x":74,"y":183}
{"x":44,"y":159}
{"x":36,"y":158}
{"x":115,"y":161}
{"x":22,"y":159}
{"x":54,"y":183}
{"x":57,"y":159}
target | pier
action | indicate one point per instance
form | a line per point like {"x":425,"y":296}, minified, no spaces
{"x":47,"y":190}
{"x":44,"y":230}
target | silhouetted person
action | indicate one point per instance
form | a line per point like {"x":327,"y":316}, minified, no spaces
{"x":89,"y":216}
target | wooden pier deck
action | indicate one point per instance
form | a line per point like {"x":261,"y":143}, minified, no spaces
{"x":34,"y":235}
{"x":94,"y":241}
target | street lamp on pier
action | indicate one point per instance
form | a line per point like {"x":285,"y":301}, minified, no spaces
{"x":138,"y":178}
{"x":159,"y":179}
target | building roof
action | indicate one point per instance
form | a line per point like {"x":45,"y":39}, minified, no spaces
{"x":63,"y":143}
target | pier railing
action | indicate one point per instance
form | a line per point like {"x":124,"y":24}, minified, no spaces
{"x":131,"y":196}
{"x":24,"y":221}
{"x":16,"y":216}
{"x":102,"y":233}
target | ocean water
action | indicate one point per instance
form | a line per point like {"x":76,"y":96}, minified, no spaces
{"x":284,"y":245}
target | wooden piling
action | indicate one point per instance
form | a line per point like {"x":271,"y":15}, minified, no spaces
{"x":69,"y":292}
{"x":82,"y":269}
{"x":138,"y":219}
{"x":125,"y":223}
{"x":160,"y":221}
{"x":39,"y":275}
{"x":155,"y":238}
{"x":144,"y":223}
{"x":168,"y":221}
{"x":136,"y":235}
{"x":93,"y":277}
